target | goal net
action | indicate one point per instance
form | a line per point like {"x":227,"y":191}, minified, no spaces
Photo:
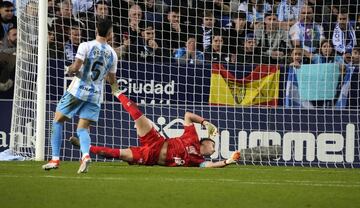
{"x":282,"y":74}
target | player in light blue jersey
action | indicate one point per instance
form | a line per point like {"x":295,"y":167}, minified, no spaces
{"x":95,"y":61}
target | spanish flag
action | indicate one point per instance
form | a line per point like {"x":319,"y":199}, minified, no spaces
{"x":260,"y":87}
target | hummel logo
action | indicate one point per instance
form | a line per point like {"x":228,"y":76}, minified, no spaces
{"x":128,"y":104}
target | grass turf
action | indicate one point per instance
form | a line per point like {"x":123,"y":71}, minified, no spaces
{"x":113,"y":184}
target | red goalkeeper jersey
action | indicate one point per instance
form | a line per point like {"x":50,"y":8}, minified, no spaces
{"x":184,"y":150}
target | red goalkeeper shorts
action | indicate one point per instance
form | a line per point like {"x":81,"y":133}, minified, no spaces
{"x":148,"y":151}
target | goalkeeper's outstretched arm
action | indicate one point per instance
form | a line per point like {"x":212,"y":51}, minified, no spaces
{"x":190,"y":118}
{"x":235,"y":156}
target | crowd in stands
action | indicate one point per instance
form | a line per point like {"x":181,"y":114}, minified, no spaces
{"x":189,"y":32}
{"x":8,"y":40}
{"x":198,"y":31}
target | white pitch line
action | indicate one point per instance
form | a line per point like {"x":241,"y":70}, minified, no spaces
{"x":243,"y":168}
{"x":202,"y":180}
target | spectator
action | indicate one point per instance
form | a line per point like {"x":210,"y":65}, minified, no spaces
{"x":120,"y":11}
{"x":219,"y":8}
{"x":347,"y":57}
{"x":343,"y":35}
{"x":53,"y":52}
{"x":326,"y":54}
{"x":154,"y":10}
{"x":101,"y":11}
{"x":272,"y":40}
{"x":354,"y":94}
{"x":62,"y":24}
{"x":131,"y":27}
{"x":206,"y":31}
{"x":51,"y":11}
{"x":305,"y":33}
{"x":255,"y":10}
{"x":298,"y":58}
{"x":81,"y":7}
{"x":234,"y":5}
{"x":249,"y":53}
{"x":235,"y":34}
{"x":288,"y":12}
{"x":72,"y":45}
{"x":174,"y":34}
{"x":7,"y":63}
{"x":323,"y":13}
{"x":189,"y":54}
{"x":148,"y":48}
{"x":217,"y":53}
{"x":8,"y":19}
{"x":123,"y":49}
{"x":189,"y":10}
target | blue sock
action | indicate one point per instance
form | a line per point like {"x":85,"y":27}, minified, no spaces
{"x":84,"y":137}
{"x":56,"y":138}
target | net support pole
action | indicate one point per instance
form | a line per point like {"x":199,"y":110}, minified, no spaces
{"x":41,"y":82}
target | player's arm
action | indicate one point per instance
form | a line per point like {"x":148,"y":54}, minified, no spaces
{"x":235,"y":156}
{"x":190,"y":118}
{"x":75,"y":67}
{"x":111,"y":76}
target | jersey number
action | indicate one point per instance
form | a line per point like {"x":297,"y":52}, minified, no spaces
{"x":95,"y":72}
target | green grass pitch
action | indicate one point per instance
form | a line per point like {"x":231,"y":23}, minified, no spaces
{"x":116,"y":184}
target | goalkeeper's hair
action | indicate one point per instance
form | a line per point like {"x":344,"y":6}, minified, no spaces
{"x":103,"y":27}
{"x":206,"y":139}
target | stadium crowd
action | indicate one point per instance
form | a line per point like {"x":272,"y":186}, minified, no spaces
{"x":189,"y":32}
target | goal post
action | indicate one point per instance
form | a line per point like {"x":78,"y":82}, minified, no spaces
{"x":41,"y":81}
{"x":306,"y":111}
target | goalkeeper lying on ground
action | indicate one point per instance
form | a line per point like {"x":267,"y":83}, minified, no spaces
{"x":154,"y":149}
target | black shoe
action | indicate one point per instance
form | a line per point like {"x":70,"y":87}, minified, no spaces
{"x":74,"y":141}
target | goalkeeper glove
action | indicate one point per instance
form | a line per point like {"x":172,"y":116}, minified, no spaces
{"x":211,"y":128}
{"x":235,"y":156}
{"x":115,"y":89}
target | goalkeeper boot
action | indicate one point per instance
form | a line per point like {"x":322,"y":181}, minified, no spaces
{"x":74,"y":141}
{"x":85,"y":163}
{"x":52,"y":164}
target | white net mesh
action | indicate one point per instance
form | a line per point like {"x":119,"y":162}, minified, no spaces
{"x":265,"y":72}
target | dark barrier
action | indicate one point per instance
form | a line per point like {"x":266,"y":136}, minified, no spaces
{"x":159,"y":84}
{"x":5,"y":123}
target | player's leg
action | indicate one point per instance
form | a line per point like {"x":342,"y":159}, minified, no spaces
{"x":107,"y":152}
{"x":88,"y":113}
{"x":122,"y":154}
{"x":84,"y":136}
{"x":143,"y":125}
{"x":56,"y":138}
{"x":65,"y":109}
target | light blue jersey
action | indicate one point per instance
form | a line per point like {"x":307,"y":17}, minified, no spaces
{"x":99,"y":60}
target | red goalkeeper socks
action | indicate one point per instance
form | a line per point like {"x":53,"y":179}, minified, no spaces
{"x":105,"y":151}
{"x":130,"y":107}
